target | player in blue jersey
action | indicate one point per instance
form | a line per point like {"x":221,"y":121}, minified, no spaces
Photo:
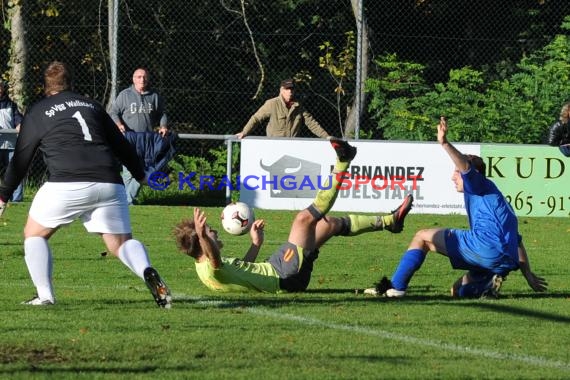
{"x":490,"y":249}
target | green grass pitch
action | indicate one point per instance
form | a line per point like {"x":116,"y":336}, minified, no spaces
{"x":106,"y":325}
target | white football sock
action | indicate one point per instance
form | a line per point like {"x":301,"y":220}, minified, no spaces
{"x":133,"y":254}
{"x":39,"y":261}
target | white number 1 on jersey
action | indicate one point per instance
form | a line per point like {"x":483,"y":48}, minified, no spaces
{"x":84,"y":128}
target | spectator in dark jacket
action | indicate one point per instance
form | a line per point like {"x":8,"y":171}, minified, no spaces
{"x":154,"y":152}
{"x":10,"y":118}
{"x":559,"y":133}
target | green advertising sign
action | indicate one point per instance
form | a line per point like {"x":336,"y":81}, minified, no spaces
{"x":535,"y":179}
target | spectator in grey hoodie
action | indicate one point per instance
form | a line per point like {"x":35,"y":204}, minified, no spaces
{"x":138,"y":108}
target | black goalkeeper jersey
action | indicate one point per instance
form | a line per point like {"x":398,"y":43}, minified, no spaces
{"x":79,"y":142}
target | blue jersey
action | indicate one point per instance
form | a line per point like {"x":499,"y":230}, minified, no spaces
{"x":492,"y":240}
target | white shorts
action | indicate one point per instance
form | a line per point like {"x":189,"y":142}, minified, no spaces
{"x":102,"y":207}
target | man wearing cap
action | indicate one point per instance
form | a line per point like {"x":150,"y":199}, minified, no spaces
{"x":286,"y":116}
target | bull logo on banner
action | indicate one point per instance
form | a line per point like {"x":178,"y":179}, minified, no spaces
{"x":291,"y":177}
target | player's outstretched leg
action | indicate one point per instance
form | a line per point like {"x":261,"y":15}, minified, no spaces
{"x":393,"y":222}
{"x":327,"y":195}
{"x":410,"y":262}
{"x":133,"y":254}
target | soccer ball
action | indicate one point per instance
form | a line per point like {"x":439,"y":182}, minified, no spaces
{"x":237,"y":218}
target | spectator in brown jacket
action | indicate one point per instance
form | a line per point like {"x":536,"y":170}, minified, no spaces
{"x":286,"y":116}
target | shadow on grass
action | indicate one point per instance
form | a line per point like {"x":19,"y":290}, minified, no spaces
{"x":306,"y":298}
{"x":499,"y":307}
{"x":321,"y":296}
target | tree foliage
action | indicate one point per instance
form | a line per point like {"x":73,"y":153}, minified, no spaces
{"x":207,"y":62}
{"x":341,"y":67}
{"x":515,"y":107}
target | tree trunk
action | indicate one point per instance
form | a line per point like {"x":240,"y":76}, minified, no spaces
{"x":113,"y":30}
{"x":353,"y":112}
{"x":18,"y":55}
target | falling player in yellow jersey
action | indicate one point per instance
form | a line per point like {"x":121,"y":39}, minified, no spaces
{"x":290,"y":267}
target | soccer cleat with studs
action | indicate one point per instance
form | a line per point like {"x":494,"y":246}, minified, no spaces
{"x":384,"y":287}
{"x":344,"y":151}
{"x":158,"y":288}
{"x":493,"y":287}
{"x":399,"y":215}
{"x":37,"y":301}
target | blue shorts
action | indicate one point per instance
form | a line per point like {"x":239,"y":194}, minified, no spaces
{"x":464,"y":253}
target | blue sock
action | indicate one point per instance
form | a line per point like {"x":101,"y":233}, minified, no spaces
{"x":409,"y":264}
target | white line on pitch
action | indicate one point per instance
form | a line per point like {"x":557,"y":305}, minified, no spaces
{"x":527,"y":359}
{"x":534,"y":360}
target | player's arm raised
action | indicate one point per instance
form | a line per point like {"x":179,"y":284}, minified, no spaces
{"x":456,"y":156}
{"x":207,"y":245}
{"x":257,"y":238}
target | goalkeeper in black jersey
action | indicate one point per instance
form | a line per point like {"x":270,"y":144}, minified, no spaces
{"x":80,"y":145}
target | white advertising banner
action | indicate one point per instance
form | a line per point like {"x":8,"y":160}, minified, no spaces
{"x":285,"y":174}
